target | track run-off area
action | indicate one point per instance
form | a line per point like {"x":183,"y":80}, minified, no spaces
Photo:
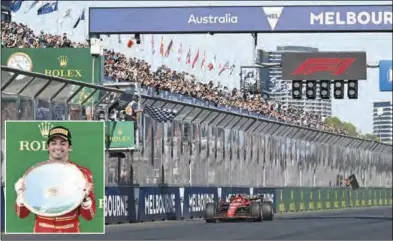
{"x":373,"y":223}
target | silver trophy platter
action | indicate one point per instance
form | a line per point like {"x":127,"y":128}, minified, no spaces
{"x":52,"y":189}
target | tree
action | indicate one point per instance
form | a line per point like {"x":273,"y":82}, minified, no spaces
{"x":333,"y":121}
{"x":337,"y":123}
{"x":350,"y":128}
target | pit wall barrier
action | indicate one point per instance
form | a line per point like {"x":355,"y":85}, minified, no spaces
{"x":131,"y":204}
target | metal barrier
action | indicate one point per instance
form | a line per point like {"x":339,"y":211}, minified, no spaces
{"x":206,"y":145}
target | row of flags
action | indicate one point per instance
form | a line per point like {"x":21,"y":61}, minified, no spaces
{"x":192,"y":61}
{"x":46,"y":8}
{"x":165,"y":52}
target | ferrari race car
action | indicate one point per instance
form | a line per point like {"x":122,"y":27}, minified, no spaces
{"x":241,"y":207}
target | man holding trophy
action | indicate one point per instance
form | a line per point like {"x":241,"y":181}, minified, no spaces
{"x":64,"y":195}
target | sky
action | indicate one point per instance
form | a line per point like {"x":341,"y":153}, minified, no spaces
{"x":235,"y":48}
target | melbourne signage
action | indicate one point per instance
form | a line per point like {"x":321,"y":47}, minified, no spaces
{"x":193,"y":200}
{"x":375,"y":18}
{"x":119,"y":205}
{"x":119,"y":135}
{"x":197,"y":202}
{"x":324,"y":66}
{"x":160,"y":204}
{"x":385,"y":75}
{"x":116,"y":205}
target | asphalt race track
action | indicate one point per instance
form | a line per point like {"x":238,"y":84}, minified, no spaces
{"x":349,"y":224}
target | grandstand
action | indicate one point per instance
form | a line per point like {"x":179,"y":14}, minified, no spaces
{"x":120,"y":68}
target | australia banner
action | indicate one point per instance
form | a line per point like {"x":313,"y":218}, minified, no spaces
{"x":355,"y":18}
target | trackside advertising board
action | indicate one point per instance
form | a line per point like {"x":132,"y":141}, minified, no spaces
{"x":128,"y":204}
{"x":69,"y":63}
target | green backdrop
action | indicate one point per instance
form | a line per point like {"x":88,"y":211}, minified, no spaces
{"x":26,"y":145}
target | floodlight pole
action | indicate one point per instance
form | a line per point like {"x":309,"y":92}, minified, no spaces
{"x":254,"y":57}
{"x":255,"y":45}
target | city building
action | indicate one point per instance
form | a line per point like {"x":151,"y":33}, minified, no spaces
{"x":274,"y":87}
{"x":383,"y":121}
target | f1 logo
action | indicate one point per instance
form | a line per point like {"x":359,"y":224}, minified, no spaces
{"x":336,"y":66}
{"x":390,"y":75}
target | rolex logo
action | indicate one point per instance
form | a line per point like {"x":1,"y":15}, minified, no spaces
{"x":44,"y":128}
{"x":63,"y":60}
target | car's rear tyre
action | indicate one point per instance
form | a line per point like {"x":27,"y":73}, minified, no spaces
{"x":210,"y":213}
{"x":255,"y":211}
{"x":267,"y":211}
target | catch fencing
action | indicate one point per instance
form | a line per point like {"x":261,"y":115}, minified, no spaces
{"x":208,"y":146}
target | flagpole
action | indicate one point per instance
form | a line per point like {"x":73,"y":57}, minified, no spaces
{"x":153,"y":59}
{"x":189,"y":66}
{"x":42,"y":15}
{"x":208,"y":47}
{"x":144,"y":37}
{"x":204,"y":59}
{"x":152,"y":48}
{"x":170,"y":60}
{"x":58,"y":19}
{"x":163,"y":51}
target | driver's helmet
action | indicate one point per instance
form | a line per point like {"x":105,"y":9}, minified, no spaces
{"x":238,"y":198}
{"x":232,"y":198}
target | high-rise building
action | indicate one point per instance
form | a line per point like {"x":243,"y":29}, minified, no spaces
{"x":274,"y":87}
{"x":383,"y":121}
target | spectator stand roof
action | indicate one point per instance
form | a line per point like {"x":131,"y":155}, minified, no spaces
{"x":225,"y":119}
{"x":44,"y":87}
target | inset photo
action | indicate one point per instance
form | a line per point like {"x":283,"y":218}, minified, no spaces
{"x":54,"y":177}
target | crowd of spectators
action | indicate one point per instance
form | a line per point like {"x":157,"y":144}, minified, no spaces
{"x":122,"y":68}
{"x":18,"y":35}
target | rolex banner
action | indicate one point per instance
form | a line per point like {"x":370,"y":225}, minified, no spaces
{"x":75,"y":143}
{"x":119,"y":135}
{"x":69,"y":63}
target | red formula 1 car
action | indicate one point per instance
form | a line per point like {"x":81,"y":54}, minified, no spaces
{"x":241,"y":207}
